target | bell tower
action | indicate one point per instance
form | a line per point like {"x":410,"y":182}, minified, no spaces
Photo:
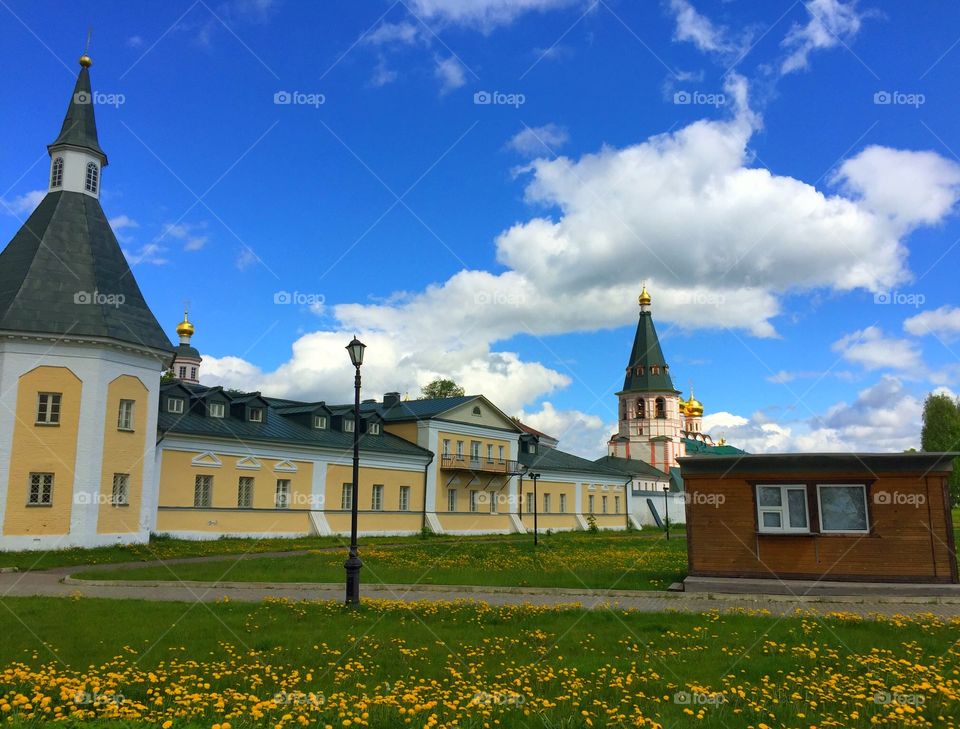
{"x":651,"y":422}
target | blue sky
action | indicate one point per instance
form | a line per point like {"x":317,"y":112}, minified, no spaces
{"x":773,"y":171}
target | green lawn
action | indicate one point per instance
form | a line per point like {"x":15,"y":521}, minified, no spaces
{"x":468,"y":665}
{"x":638,"y":561}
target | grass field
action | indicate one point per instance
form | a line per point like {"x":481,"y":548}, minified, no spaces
{"x":439,"y":665}
{"x":638,"y":561}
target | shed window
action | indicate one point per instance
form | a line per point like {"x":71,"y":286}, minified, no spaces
{"x":843,"y":508}
{"x":782,"y":508}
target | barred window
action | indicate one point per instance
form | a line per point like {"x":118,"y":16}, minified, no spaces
{"x":245,"y":492}
{"x":121,"y":490}
{"x":41,"y":489}
{"x":202,"y":491}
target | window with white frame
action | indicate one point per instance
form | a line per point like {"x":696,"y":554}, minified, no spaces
{"x":603,"y":504}
{"x":489,"y":453}
{"x":283,"y":493}
{"x":40,"y":491}
{"x":446,"y":446}
{"x":474,"y":500}
{"x":474,"y":450}
{"x":319,"y":422}
{"x":183,"y":372}
{"x":125,"y":415}
{"x":202,"y":491}
{"x":493,"y":502}
{"x":373,"y":428}
{"x":347,"y":426}
{"x":451,"y":499}
{"x":500,"y":453}
{"x":92,"y":181}
{"x":843,"y":508}
{"x":217,"y":410}
{"x":530,"y":503}
{"x":175,"y":405}
{"x":376,"y":498}
{"x":245,"y":492}
{"x":546,"y":503}
{"x":346,"y":497}
{"x":590,"y":503}
{"x":563,"y":503}
{"x":616,"y":504}
{"x":782,"y":508}
{"x":256,"y":415}
{"x":56,"y":172}
{"x":48,"y":408}
{"x":120,"y":494}
{"x":460,"y":449}
{"x":404,"y":498}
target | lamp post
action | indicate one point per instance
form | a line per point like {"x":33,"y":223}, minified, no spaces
{"x":353,"y":563}
{"x":666,"y":509}
{"x":534,"y":477}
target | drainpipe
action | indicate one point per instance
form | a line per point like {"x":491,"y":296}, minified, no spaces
{"x":426,"y":468}
{"x":626,"y":498}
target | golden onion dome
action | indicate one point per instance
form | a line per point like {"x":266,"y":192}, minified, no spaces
{"x":694,"y":407}
{"x":185,"y":328}
{"x":86,"y":61}
{"x":644,"y":297}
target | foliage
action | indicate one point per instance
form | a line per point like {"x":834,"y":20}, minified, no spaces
{"x":592,"y":524}
{"x":167,"y":377}
{"x":941,"y":432}
{"x":439,"y":388}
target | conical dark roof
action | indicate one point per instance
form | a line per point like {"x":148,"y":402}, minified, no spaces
{"x":64,"y":274}
{"x":646,"y":353}
{"x":80,"y":126}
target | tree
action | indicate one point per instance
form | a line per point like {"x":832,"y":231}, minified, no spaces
{"x":941,"y":432}
{"x":167,"y":377}
{"x":441,"y":387}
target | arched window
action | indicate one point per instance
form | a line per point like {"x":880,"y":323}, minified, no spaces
{"x":641,"y":408}
{"x":661,"y":408}
{"x":56,"y":172}
{"x":476,"y":411}
{"x":93,"y":177}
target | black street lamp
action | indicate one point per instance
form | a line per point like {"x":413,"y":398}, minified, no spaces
{"x":666,"y":509}
{"x":353,"y":563}
{"x":534,"y":477}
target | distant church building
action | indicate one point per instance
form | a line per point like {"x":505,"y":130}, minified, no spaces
{"x":656,"y":425}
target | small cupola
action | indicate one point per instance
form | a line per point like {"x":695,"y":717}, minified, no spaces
{"x":186,"y":358}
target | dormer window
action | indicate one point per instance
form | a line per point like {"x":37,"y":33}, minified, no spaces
{"x":654,"y":369}
{"x":175,"y":405}
{"x":56,"y":173}
{"x":256,"y":415}
{"x":92,"y":182}
{"x":373,"y":428}
{"x":347,"y":426}
{"x":320,"y":422}
{"x":216,"y":410}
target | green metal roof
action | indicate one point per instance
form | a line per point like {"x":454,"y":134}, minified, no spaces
{"x":699,"y":448}
{"x":64,"y":256}
{"x":646,"y":353}
{"x":551,"y":459}
{"x":631,"y":467}
{"x":80,"y":126}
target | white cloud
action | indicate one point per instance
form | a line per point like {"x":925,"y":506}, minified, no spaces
{"x":579,"y":433}
{"x":246,"y":257}
{"x":450,"y":73}
{"x":698,"y":29}
{"x":150,"y":253}
{"x":831,"y":22}
{"x":885,"y":417}
{"x":135,"y":41}
{"x":122,"y":222}
{"x":24,"y":204}
{"x":943,"y":323}
{"x":873,"y":350}
{"x":404,"y":33}
{"x":912,"y":188}
{"x":483,"y":14}
{"x":535,"y":141}
{"x":186,"y":232}
{"x":383,"y":74}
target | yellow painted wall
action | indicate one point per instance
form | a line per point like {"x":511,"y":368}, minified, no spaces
{"x":482,"y":477}
{"x":551,"y":521}
{"x":598,"y":494}
{"x":123,"y":453}
{"x":377,"y":522}
{"x":391,"y":479}
{"x":178,"y":476}
{"x":238,"y":521}
{"x":43,"y":449}
{"x":407,"y":431}
{"x":474,"y":522}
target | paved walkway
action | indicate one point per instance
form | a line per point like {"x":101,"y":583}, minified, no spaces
{"x":60,"y":583}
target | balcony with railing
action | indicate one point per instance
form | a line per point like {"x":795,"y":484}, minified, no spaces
{"x":477,"y":464}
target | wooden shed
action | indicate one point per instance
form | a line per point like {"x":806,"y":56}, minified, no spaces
{"x":821,"y":516}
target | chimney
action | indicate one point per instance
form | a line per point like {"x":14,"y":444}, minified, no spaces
{"x":390,"y":399}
